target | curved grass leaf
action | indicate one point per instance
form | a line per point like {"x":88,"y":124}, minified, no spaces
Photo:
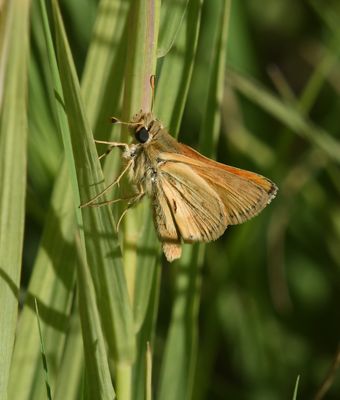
{"x":287,"y":114}
{"x":172,"y":16}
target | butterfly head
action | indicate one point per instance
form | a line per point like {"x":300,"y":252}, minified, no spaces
{"x":145,"y":126}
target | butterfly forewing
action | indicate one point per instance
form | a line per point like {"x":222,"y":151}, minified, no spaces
{"x":242,"y":198}
{"x":196,"y":208}
{"x":243,"y":193}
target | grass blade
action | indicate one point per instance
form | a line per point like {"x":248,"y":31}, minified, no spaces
{"x":148,"y":383}
{"x":13,"y":141}
{"x":140,"y":243}
{"x":177,"y":70}
{"x":146,"y":335}
{"x":296,"y":388}
{"x":144,"y":20}
{"x":71,"y":367}
{"x":98,"y":379}
{"x":178,"y":365}
{"x":52,"y":284}
{"x":43,"y":353}
{"x":287,"y":114}
{"x":102,"y":79}
{"x":211,"y":125}
{"x":181,"y":346}
{"x":100,"y":234}
{"x":172,"y":16}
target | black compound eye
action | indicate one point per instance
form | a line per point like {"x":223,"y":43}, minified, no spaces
{"x":142,"y":135}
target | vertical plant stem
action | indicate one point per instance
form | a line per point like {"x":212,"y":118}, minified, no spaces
{"x":124,"y":380}
{"x":140,"y":66}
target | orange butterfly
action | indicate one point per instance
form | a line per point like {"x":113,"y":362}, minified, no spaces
{"x":194,"y":198}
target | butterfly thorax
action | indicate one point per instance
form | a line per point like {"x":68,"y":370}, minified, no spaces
{"x":152,"y":140}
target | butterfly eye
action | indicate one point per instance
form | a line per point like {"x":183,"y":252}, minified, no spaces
{"x":142,"y":135}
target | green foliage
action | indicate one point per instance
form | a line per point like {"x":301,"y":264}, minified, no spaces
{"x":253,"y":315}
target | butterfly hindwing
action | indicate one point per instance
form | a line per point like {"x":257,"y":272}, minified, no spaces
{"x":165,"y":225}
{"x":197,"y":211}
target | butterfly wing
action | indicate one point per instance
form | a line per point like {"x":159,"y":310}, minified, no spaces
{"x":195,"y":208}
{"x":211,"y":194}
{"x":165,"y":225}
{"x":193,"y":157}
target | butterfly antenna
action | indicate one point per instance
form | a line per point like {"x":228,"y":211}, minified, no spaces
{"x":115,"y":120}
{"x":152,"y":84}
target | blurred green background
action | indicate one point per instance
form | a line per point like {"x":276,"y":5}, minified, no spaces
{"x":270,"y":289}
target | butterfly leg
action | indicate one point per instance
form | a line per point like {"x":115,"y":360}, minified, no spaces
{"x":133,"y":200}
{"x":115,"y":182}
{"x":109,"y":202}
{"x":125,"y":146}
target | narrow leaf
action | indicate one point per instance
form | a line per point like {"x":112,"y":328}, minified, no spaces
{"x":13,"y":140}
{"x":172,"y":16}
{"x":102,"y":248}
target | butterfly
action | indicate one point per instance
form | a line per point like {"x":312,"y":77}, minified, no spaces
{"x":194,"y":198}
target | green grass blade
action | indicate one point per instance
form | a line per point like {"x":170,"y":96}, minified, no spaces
{"x":211,"y":125}
{"x":146,"y":335}
{"x":296,"y":388}
{"x":52,"y":284}
{"x":44,"y":145}
{"x":98,"y":222}
{"x":43,"y":354}
{"x":97,"y":370}
{"x":177,"y":70}
{"x":98,"y":379}
{"x":144,"y":22}
{"x":287,"y":114}
{"x":100,"y":236}
{"x":148,"y":380}
{"x":71,"y":367}
{"x":170,"y":77}
{"x":13,"y":142}
{"x":178,"y":364}
{"x":104,"y":69}
{"x":144,"y":18}
{"x":172,"y":16}
{"x":103,"y":75}
{"x":177,"y":375}
{"x":146,"y":265}
{"x":139,"y":254}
